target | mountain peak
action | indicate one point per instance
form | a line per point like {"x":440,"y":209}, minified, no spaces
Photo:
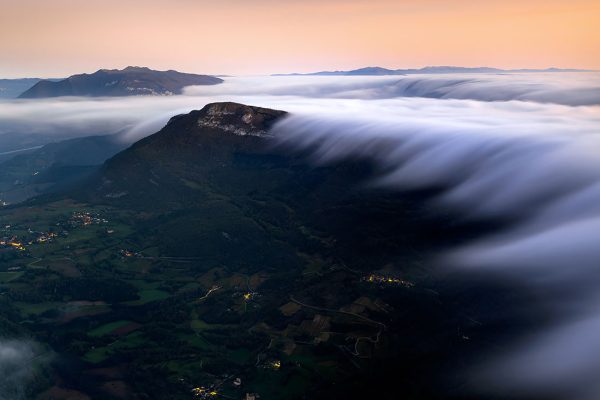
{"x":236,"y":118}
{"x":192,"y":147}
{"x":136,"y":68}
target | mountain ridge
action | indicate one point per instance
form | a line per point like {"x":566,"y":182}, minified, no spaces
{"x":12,"y":88}
{"x":371,"y":71}
{"x":130,"y":81}
{"x":186,"y":150}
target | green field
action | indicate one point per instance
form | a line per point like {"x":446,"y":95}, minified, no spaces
{"x":148,"y":296}
{"x":107,"y":328}
{"x":36,"y":308}
{"x":6,"y":277}
{"x":99,"y":354}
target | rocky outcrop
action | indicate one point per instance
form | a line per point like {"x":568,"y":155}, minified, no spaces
{"x":239,"y":119}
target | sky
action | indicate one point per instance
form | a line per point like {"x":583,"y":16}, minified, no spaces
{"x":56,"y":38}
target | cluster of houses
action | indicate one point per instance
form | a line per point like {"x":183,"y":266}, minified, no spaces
{"x":77,"y":219}
{"x":204,"y":393}
{"x":129,"y":253}
{"x":84,"y":218}
{"x":14,"y":242}
{"x":212,"y":392}
{"x":46,"y":237}
{"x":387,"y":280}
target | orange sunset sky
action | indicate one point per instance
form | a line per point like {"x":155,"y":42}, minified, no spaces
{"x":55,"y":38}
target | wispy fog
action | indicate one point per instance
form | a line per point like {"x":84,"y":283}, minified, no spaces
{"x":519,"y":146}
{"x":18,"y":363}
{"x":28,"y":123}
{"x":533,"y":163}
{"x":561,"y":88}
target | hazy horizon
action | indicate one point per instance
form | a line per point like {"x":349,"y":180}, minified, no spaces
{"x":304,"y":72}
{"x":232,"y":37}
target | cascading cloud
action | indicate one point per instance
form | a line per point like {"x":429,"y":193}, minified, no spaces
{"x":540,"y":167}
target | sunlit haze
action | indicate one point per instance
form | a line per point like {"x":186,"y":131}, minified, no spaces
{"x":40,"y":38}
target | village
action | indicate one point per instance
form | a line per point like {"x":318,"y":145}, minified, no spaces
{"x":387,"y":280}
{"x":206,"y":393}
{"x":217,"y":388}
{"x":20,"y":244}
{"x":83,"y":218}
{"x":19,"y":238}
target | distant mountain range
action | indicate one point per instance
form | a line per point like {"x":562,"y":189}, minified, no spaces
{"x":11,"y":88}
{"x":369,"y":71}
{"x":131,"y":81}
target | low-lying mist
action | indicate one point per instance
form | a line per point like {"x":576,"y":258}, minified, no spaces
{"x":19,"y":361}
{"x":28,"y":123}
{"x":573,"y":89}
{"x":524,"y":147}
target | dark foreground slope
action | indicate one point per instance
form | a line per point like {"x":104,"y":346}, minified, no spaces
{"x":131,"y":81}
{"x":206,"y":256}
{"x":220,"y":187}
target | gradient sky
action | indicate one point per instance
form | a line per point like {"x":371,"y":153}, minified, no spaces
{"x":54,"y":38}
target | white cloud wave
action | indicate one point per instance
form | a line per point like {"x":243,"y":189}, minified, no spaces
{"x":536,"y":165}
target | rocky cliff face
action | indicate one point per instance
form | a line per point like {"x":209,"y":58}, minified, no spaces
{"x":131,"y":81}
{"x":238,"y":119}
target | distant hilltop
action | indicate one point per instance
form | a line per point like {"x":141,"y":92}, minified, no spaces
{"x":131,"y":81}
{"x":11,"y":88}
{"x":370,"y":71}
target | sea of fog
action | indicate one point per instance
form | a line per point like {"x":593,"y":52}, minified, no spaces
{"x":525,"y":147}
